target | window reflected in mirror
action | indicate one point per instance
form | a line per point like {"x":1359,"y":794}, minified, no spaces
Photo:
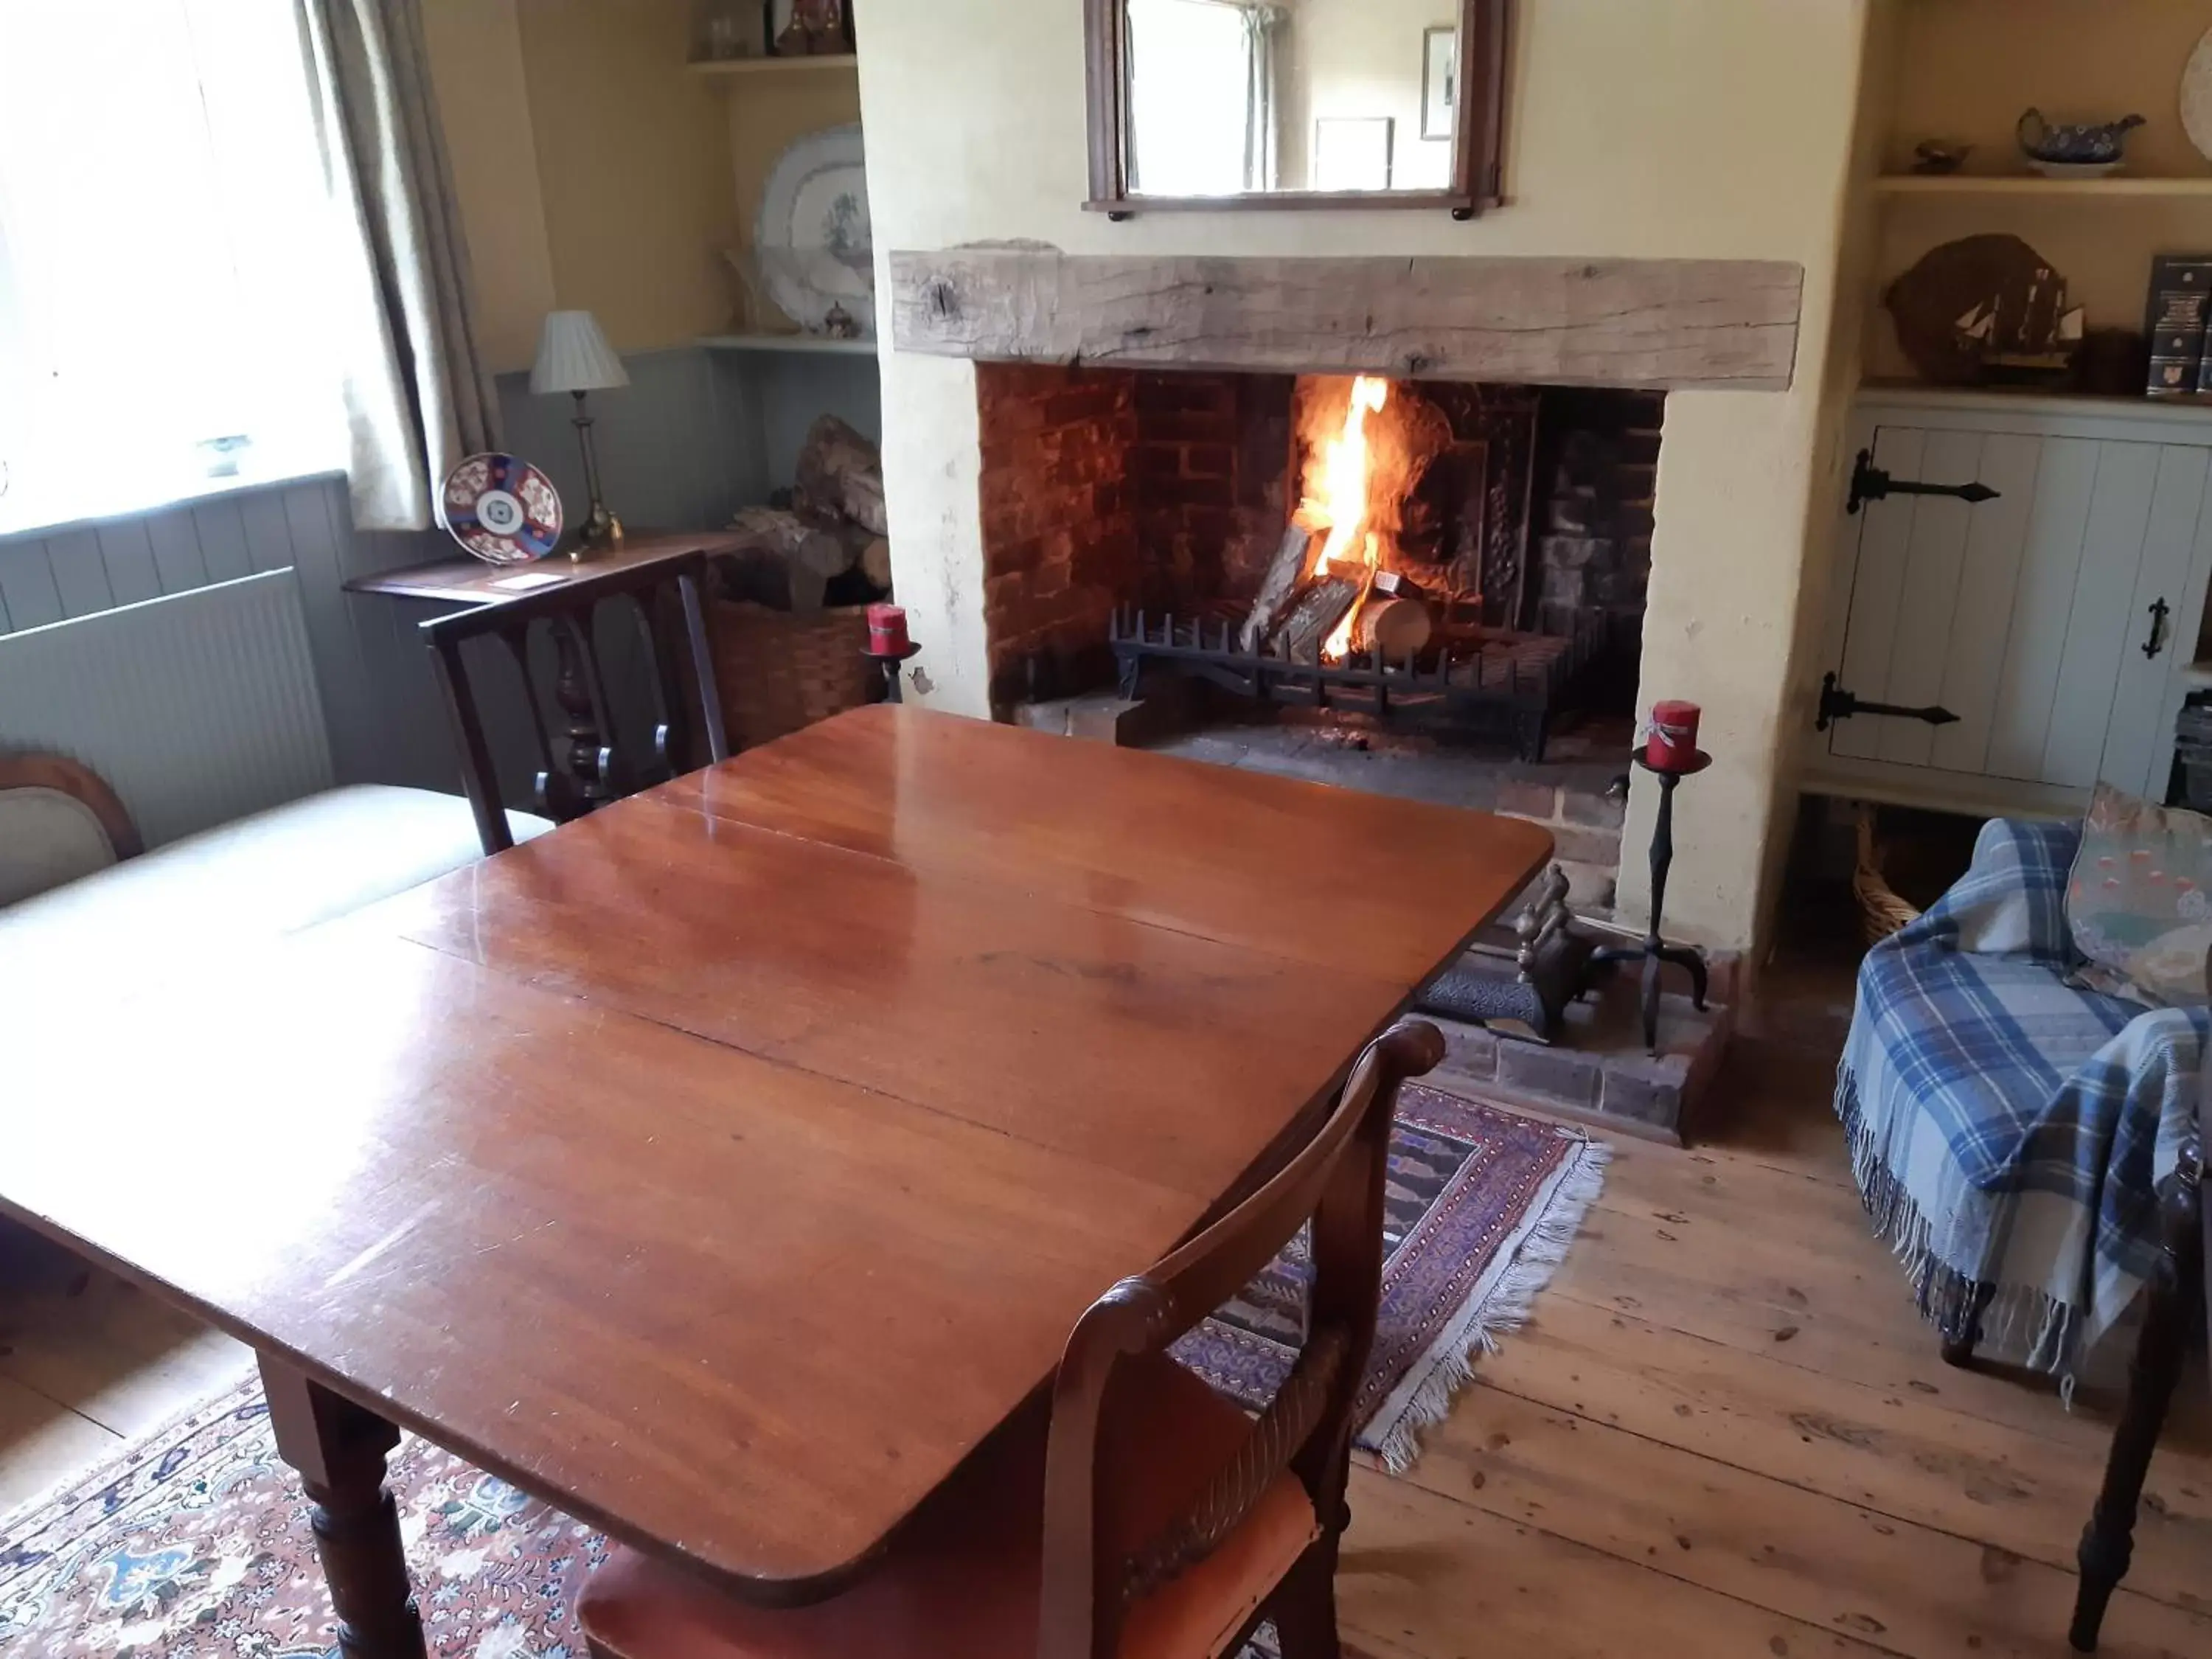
{"x":1212,"y":98}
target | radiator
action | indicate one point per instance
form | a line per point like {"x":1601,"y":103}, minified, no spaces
{"x":196,"y":708}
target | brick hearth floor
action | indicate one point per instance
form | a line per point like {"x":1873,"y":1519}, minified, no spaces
{"x":1724,"y":1434}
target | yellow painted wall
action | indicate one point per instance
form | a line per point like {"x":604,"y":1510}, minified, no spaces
{"x":1692,"y":128}
{"x":593,"y":169}
{"x":484,"y":101}
{"x":1966,"y":70}
{"x":634,"y":159}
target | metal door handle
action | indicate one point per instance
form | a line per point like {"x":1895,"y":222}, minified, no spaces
{"x":2159,"y":610}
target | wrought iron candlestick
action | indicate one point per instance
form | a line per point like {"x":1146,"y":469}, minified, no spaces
{"x":1655,"y":951}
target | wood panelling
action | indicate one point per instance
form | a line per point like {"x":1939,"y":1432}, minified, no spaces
{"x":1655,"y":323}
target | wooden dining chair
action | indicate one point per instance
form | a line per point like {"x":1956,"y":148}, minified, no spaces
{"x":1133,"y":1513}
{"x":591,"y":769}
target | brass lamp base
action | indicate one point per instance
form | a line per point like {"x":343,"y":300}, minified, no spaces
{"x":601,"y":529}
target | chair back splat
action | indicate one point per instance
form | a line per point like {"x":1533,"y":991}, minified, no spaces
{"x":1337,"y":1180}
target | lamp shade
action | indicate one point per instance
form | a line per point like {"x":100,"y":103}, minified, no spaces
{"x":573,"y":355}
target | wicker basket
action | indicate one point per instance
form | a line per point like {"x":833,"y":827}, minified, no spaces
{"x":1881,"y":912}
{"x":779,"y":670}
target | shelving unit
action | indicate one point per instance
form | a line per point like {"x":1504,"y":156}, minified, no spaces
{"x":721,"y":66}
{"x":2117,"y":187}
{"x":818,"y":345}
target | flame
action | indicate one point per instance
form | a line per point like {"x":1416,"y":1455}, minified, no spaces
{"x":1343,"y":478}
{"x":1346,"y":483}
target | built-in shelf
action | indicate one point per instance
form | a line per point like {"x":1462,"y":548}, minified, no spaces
{"x":2118,"y":187}
{"x":825,"y":344}
{"x":774,"y":65}
{"x":2034,"y":400}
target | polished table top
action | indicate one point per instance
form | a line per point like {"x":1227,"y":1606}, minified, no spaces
{"x":724,"y":1166}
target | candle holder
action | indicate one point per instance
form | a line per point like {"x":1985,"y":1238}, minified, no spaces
{"x":1654,"y":952}
{"x":890,"y":662}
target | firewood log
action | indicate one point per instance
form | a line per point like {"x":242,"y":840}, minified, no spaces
{"x":1315,"y":617}
{"x":876,"y":563}
{"x":841,"y":474}
{"x":1397,"y":627}
{"x":772,"y":530}
{"x":1282,"y":580}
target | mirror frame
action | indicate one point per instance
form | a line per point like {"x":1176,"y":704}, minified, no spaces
{"x":1478,"y":163}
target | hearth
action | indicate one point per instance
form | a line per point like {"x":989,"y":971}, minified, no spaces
{"x":1486,"y":682}
{"x":1459,"y":560}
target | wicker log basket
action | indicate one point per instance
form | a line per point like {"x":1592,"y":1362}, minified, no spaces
{"x":778,"y":671}
{"x":1881,"y":910}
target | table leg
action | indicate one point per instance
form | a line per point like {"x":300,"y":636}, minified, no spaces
{"x":339,"y":1450}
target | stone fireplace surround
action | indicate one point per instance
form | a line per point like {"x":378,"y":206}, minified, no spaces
{"x":1654,"y":325}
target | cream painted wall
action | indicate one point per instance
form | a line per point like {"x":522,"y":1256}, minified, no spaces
{"x":1966,"y":70}
{"x":1695,"y":128}
{"x":634,"y":161}
{"x":483,"y":102}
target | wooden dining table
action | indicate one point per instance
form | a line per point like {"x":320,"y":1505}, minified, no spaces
{"x":724,"y":1167}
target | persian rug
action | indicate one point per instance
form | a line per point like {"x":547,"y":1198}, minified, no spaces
{"x":195,"y":1544}
{"x":1481,"y":1205}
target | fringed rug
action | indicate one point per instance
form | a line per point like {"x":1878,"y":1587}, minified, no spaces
{"x":195,"y":1544}
{"x":1482,"y":1206}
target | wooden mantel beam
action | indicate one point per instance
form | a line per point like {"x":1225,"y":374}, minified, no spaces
{"x":1655,"y":323}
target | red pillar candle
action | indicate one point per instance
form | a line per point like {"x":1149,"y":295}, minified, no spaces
{"x":886,"y":631}
{"x":1672,"y":745}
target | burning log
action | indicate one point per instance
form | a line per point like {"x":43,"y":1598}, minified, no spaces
{"x":1284,"y":575}
{"x":1319,"y":608}
{"x":1395,"y":628}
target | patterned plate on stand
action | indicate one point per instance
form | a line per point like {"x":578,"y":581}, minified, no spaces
{"x":503,"y":510}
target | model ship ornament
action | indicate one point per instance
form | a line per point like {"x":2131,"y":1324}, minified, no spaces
{"x":1985,"y":308}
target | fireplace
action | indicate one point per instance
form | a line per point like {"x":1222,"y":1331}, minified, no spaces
{"x":1463,"y":561}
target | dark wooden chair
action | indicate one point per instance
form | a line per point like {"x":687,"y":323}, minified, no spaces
{"x":591,"y":769}
{"x":1132,"y":1513}
{"x":2173,"y":1316}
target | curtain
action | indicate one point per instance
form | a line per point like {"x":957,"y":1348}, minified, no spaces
{"x":1262,"y":139}
{"x":418,"y":397}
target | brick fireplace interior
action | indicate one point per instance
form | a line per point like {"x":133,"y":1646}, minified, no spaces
{"x":1139,"y":527}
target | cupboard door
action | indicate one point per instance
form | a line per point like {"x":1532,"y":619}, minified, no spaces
{"x":2161,"y":634}
{"x":2019,"y":614}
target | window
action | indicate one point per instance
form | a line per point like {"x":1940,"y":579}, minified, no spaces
{"x":167,"y":235}
{"x":1200,"y":97}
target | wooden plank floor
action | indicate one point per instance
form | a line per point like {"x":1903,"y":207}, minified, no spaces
{"x":1724,"y":1433}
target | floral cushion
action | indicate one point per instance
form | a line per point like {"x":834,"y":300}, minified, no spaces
{"x":2137,"y":901}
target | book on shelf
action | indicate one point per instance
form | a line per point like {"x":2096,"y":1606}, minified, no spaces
{"x":2180,"y":306}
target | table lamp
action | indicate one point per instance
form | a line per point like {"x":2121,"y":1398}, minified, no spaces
{"x":575,"y":357}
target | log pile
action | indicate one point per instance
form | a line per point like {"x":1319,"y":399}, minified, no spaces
{"x":1295,"y":610}
{"x":824,"y":542}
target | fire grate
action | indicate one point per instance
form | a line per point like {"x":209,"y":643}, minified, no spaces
{"x":1492,"y":683}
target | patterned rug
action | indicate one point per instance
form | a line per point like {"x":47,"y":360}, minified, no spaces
{"x":195,"y":1544}
{"x":1481,"y":1205}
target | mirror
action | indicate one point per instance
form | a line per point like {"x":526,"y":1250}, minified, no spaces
{"x":1221,"y":104}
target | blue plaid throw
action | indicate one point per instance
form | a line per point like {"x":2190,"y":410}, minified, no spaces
{"x":2007,"y":1129}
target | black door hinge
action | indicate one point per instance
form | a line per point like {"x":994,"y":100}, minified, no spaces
{"x":1838,"y":704}
{"x":1870,"y":484}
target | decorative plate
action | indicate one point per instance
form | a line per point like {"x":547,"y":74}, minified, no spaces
{"x":812,"y":239}
{"x":2197,"y":97}
{"x":503,"y":510}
